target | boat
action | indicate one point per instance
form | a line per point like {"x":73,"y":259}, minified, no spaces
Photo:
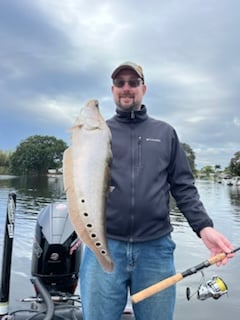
{"x":233,"y":181}
{"x":56,"y":257}
{"x":54,"y":172}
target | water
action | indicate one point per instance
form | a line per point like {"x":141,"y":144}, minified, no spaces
{"x":33,"y":193}
{"x":223,"y":204}
{"x":221,"y":201}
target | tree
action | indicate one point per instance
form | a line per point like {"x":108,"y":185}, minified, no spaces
{"x":207,"y":170}
{"x":4,"y":161}
{"x":235,"y":164}
{"x":217,"y":167}
{"x":190,"y":156}
{"x":37,"y":154}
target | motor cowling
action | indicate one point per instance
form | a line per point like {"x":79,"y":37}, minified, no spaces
{"x":56,"y":250}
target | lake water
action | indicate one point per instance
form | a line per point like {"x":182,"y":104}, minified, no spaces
{"x":221,"y":201}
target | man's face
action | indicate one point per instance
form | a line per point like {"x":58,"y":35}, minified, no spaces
{"x":128,"y":96}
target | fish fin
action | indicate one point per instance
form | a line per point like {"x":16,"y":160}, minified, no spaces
{"x":67,"y":168}
{"x":72,"y":200}
{"x":75,"y":219}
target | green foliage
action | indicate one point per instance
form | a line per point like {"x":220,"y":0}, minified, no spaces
{"x":190,"y":156}
{"x":37,"y":154}
{"x":4,"y":158}
{"x":207,"y":170}
{"x":235,"y":164}
{"x":4,"y":161}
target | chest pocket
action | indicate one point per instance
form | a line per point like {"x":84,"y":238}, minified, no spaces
{"x":152,"y":153}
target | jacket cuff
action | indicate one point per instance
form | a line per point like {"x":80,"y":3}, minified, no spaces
{"x":204,"y":225}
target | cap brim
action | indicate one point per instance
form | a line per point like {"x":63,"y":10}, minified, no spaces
{"x":125,"y":67}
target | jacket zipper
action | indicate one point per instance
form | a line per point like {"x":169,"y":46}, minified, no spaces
{"x":136,"y":163}
{"x":139,"y":142}
{"x":132,"y":184}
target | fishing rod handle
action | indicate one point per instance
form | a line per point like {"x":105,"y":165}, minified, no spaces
{"x":157,"y":287}
{"x":217,"y":258}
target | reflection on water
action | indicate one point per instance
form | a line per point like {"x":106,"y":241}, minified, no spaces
{"x":34,"y":192}
{"x":234,"y":194}
{"x":223,"y":204}
{"x":221,"y":201}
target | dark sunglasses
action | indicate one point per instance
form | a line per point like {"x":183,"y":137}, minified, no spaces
{"x":133,"y":83}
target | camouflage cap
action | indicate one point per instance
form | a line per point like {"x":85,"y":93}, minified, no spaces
{"x":129,"y":65}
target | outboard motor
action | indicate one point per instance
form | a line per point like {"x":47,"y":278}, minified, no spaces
{"x":56,"y":250}
{"x":55,"y":269}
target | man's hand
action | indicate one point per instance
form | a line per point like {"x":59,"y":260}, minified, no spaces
{"x":216,"y":243}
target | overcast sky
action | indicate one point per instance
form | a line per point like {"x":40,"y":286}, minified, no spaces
{"x":56,"y":55}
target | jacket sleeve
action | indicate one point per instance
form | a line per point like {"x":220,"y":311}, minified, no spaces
{"x":183,"y":189}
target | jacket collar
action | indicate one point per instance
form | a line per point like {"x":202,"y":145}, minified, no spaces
{"x":132,"y":116}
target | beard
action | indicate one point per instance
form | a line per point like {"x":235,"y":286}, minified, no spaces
{"x":129,"y":106}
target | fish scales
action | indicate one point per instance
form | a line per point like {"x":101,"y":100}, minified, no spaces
{"x":86,"y":174}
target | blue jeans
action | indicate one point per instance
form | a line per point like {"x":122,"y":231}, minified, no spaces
{"x":136,"y":266}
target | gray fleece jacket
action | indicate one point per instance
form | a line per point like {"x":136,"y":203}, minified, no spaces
{"x":148,"y":164}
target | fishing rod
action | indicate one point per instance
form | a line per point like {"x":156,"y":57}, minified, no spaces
{"x":168,"y":282}
{"x":7,"y":254}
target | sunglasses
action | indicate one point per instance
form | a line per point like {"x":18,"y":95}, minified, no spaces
{"x":133,"y":83}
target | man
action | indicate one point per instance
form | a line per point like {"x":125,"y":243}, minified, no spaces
{"x":148,"y":164}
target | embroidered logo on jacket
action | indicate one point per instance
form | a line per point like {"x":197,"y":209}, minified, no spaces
{"x":153,"y":139}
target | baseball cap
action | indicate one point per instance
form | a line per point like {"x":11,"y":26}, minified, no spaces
{"x":129,"y":65}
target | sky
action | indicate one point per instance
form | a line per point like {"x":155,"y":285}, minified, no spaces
{"x":56,"y":55}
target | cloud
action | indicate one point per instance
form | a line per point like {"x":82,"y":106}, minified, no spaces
{"x":236,"y":121}
{"x":56,"y":55}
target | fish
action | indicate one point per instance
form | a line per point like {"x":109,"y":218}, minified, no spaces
{"x":86,"y":177}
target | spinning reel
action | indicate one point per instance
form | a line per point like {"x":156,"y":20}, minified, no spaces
{"x":213,"y":288}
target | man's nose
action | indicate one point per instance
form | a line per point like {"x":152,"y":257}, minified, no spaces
{"x":126,"y":85}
